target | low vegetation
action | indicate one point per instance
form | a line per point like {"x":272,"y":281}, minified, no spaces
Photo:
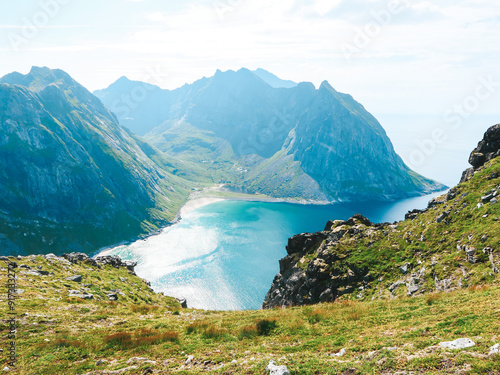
{"x":143,"y":332}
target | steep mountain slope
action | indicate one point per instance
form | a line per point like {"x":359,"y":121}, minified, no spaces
{"x":452,"y":244}
{"x":72,"y":178}
{"x":294,"y":142}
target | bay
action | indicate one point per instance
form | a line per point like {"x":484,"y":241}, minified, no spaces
{"x":224,"y":256}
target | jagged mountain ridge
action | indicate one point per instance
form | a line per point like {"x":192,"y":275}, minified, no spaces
{"x":72,"y":177}
{"x":454,"y":243}
{"x":297,"y":142}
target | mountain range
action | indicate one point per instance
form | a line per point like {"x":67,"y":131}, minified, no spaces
{"x":83,"y":171}
{"x":256,"y":132}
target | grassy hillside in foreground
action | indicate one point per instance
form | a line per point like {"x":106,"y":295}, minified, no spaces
{"x":147,"y":333}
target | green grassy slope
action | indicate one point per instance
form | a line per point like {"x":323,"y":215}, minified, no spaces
{"x":146,"y":333}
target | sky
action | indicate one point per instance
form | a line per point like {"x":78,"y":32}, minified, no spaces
{"x":394,"y":56}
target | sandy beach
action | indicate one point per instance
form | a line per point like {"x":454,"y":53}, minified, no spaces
{"x":196,"y":203}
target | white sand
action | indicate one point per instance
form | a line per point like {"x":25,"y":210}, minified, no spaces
{"x":197,"y":203}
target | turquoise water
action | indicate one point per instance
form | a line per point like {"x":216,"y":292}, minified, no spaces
{"x":225,"y":255}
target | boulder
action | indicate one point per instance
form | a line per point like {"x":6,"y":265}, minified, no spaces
{"x":79,"y":257}
{"x":54,"y":257}
{"x":495,"y":349}
{"x":277,"y":370}
{"x":76,"y":278}
{"x":183,"y":302}
{"x":487,"y":149}
{"x":461,"y":343}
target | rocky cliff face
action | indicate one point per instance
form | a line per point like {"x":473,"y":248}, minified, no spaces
{"x":487,"y":149}
{"x":451,"y":244}
{"x":287,"y":142}
{"x":72,"y":178}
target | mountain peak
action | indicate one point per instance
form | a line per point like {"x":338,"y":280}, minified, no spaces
{"x":273,"y":80}
{"x":123,"y":79}
{"x":39,"y":78}
{"x":326,"y":85}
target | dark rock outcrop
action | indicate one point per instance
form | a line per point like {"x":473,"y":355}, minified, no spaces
{"x":328,"y":275}
{"x":488,"y":148}
{"x":114,"y":261}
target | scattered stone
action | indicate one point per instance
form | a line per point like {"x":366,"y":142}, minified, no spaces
{"x":122,"y":279}
{"x":412,"y":287}
{"x":412,"y":215}
{"x":404,"y":268}
{"x":78,"y":294}
{"x":33,"y":273}
{"x":116,"y":262}
{"x":435,"y":202}
{"x":479,"y":205}
{"x":6,"y":369}
{"x":141,"y":360}
{"x":339,"y":354}
{"x":495,"y":349}
{"x":350,"y":371}
{"x":394,"y":285}
{"x":189,"y":360}
{"x":117,"y":291}
{"x":443,"y":216}
{"x":452,"y":193}
{"x":494,"y":201}
{"x":58,"y":259}
{"x":277,"y":370}
{"x":461,"y":343}
{"x":112,"y":296}
{"x":487,"y":198}
{"x":80,"y":257}
{"x":371,"y":355}
{"x":471,"y":252}
{"x":76,"y":278}
{"x":101,"y":362}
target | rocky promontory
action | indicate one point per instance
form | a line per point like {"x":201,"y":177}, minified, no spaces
{"x":451,"y":244}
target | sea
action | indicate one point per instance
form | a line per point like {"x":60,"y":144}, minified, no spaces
{"x":224,"y":256}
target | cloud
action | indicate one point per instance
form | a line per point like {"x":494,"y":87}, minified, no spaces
{"x":419,"y":56}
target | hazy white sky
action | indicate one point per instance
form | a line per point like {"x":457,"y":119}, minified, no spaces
{"x":394,"y":56}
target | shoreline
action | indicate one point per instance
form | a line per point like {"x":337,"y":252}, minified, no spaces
{"x":195,"y":203}
{"x":208,"y":196}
